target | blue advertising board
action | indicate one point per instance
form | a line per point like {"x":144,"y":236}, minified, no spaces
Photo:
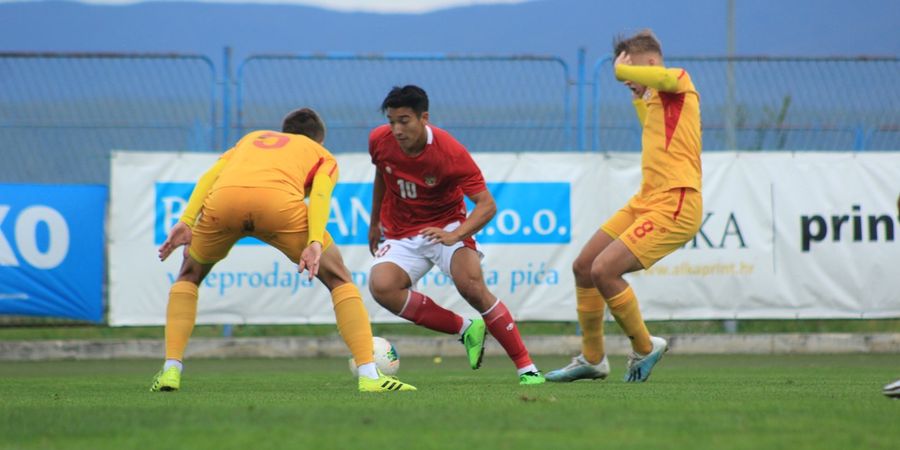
{"x":527,"y":213}
{"x":52,"y":250}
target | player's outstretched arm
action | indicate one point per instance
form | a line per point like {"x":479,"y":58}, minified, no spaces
{"x":319,"y":210}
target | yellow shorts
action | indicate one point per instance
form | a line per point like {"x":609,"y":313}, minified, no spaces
{"x":656,"y":225}
{"x":275,"y":217}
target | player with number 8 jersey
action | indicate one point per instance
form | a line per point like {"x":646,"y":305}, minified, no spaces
{"x":422,"y":175}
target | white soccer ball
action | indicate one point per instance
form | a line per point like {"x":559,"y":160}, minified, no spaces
{"x":386,"y":358}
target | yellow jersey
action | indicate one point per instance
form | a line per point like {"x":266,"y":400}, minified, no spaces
{"x":671,"y":140}
{"x":269,"y":159}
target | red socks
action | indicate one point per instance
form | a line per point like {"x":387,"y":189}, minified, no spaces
{"x":423,"y":311}
{"x":502,"y":326}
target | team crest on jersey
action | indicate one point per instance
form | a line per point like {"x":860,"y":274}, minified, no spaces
{"x":388,"y":169}
{"x":430,"y":180}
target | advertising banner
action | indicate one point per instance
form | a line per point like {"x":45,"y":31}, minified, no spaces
{"x":51,"y":250}
{"x":784,"y":235}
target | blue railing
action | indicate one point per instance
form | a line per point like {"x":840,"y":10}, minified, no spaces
{"x":61,"y":113}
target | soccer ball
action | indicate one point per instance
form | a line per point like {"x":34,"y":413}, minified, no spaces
{"x":386,"y":358}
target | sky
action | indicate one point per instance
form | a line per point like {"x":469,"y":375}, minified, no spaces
{"x":371,"y":6}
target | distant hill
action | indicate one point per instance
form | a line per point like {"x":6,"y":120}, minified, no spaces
{"x":556,"y":27}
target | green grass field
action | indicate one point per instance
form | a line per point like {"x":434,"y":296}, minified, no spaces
{"x":691,"y":402}
{"x":29,"y":328}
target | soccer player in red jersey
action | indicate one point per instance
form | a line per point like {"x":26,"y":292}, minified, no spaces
{"x":422,"y":174}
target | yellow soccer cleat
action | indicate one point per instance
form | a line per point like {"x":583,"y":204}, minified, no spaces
{"x":384,"y":383}
{"x":168,"y":380}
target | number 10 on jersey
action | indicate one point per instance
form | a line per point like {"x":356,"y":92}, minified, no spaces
{"x":407,"y":188}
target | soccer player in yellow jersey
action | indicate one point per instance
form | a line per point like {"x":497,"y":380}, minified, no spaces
{"x":663,"y":215}
{"x":257,"y":188}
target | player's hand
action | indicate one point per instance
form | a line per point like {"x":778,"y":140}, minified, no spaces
{"x":309,"y":259}
{"x":179,"y":235}
{"x":622,"y":58}
{"x":374,"y":238}
{"x":435,"y":234}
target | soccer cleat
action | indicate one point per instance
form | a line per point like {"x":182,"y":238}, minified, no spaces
{"x":384,"y":383}
{"x":639,"y":366}
{"x":529,"y":378}
{"x":473,"y":339}
{"x":168,"y":380}
{"x":892,"y":390}
{"x":580,"y":369}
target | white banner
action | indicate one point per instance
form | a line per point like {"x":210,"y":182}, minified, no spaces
{"x":785,"y":235}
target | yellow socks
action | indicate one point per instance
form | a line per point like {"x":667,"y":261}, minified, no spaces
{"x":180,"y":317}
{"x":590,"y":307}
{"x":353,"y":322}
{"x":624,"y":308}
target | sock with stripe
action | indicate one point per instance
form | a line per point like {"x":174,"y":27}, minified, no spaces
{"x":503,"y":328}
{"x":181,"y":314}
{"x":590,"y":308}
{"x":423,"y":311}
{"x":624,"y":308}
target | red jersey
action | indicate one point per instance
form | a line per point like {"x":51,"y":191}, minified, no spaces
{"x":426,"y":190}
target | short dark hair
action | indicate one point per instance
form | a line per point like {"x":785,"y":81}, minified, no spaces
{"x":304,"y":121}
{"x":643,"y":41}
{"x":409,"y":96}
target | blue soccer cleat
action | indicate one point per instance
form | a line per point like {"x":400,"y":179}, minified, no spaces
{"x":639,"y":366}
{"x":580,"y":369}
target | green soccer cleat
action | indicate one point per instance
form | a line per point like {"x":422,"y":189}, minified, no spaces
{"x":384,"y":383}
{"x":529,"y":378}
{"x":473,"y":339}
{"x":639,"y":366}
{"x":168,"y":380}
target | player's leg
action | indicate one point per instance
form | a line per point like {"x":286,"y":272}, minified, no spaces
{"x":181,"y":314}
{"x":215,"y":232}
{"x":607,"y":272}
{"x":398,"y":265}
{"x":465,"y":270}
{"x":353,"y":321}
{"x":592,"y":363}
{"x":664,"y":222}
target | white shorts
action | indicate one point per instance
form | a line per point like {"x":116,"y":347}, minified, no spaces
{"x":417,"y":255}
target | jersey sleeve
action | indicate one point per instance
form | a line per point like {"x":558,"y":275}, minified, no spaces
{"x":674,"y":80}
{"x":375,"y":137}
{"x":468,"y":174}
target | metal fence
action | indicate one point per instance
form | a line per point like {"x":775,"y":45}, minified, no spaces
{"x":756,"y":103}
{"x":61,"y":114}
{"x":490,"y":103}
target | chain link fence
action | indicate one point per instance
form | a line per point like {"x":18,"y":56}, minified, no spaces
{"x":758,"y":103}
{"x":488,"y":103}
{"x":61,"y":114}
